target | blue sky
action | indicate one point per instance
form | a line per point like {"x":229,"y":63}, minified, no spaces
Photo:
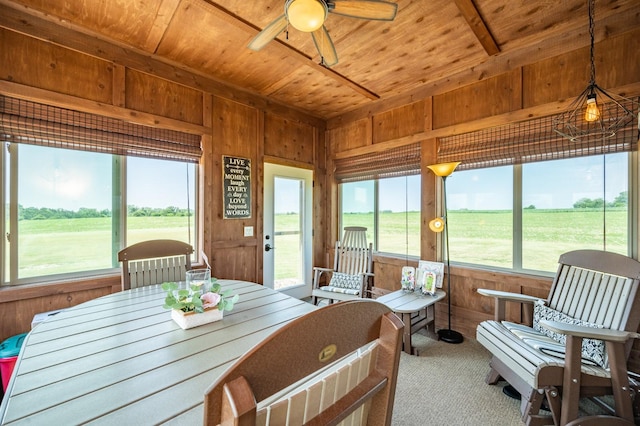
{"x":73,"y":179}
{"x":70,"y":180}
{"x":548,"y":185}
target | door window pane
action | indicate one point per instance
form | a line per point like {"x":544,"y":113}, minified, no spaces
{"x":160,"y":200}
{"x":287,"y":232}
{"x":480,"y":217}
{"x":64,"y":211}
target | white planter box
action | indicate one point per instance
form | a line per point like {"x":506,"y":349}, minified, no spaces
{"x":191,"y":319}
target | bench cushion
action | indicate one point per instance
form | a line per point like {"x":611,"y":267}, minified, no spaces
{"x":344,"y":283}
{"x":523,"y":359}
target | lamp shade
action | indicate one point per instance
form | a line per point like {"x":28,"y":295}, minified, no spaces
{"x":444,"y":169}
{"x":437,"y":224}
{"x":306,"y":15}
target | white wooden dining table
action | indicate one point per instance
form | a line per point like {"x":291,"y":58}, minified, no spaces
{"x":121,"y":359}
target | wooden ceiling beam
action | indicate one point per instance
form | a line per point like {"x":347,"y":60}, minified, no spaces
{"x":478,"y":26}
{"x":285,"y":49}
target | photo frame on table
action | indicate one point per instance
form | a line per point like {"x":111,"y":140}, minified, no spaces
{"x":408,"y":281}
{"x":425,"y":267}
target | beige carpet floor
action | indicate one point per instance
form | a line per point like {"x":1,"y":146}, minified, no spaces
{"x":445,"y":385}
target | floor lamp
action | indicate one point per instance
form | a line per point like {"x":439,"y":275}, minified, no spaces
{"x":440,"y":224}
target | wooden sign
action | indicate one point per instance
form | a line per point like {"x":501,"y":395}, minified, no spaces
{"x":236,"y":195}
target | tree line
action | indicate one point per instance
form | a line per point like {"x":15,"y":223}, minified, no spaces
{"x":596,"y":203}
{"x":42,"y":213}
{"x":588,"y":203}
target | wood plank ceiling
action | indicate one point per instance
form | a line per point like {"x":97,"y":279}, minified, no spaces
{"x":432,"y":45}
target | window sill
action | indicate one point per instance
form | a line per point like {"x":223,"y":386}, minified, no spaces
{"x":12,"y":293}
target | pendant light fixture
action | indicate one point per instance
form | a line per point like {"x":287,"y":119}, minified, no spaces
{"x":595,"y":113}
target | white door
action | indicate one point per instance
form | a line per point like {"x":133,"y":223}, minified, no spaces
{"x":288,"y":201}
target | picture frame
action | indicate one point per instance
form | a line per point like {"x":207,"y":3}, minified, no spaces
{"x":408,"y":281}
{"x":428,"y":280}
{"x":426,"y":266}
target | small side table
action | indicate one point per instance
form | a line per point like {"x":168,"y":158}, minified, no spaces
{"x":415,"y":310}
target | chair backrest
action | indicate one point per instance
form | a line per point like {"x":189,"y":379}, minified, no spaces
{"x":353,"y":254}
{"x":154,"y":262}
{"x":338,"y":362}
{"x":598,"y":288}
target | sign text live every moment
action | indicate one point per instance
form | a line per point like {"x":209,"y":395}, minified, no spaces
{"x":236,"y":179}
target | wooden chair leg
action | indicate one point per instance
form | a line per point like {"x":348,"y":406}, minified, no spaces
{"x":493,"y":377}
{"x":599,"y":421}
{"x":554,"y":402}
{"x":571,"y":380}
{"x":530,"y":406}
{"x":620,"y":381}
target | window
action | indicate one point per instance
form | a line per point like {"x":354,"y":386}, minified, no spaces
{"x":389,"y":209}
{"x":523,"y":217}
{"x":381,"y":191}
{"x":66,"y":209}
{"x":480,"y":216}
{"x":526,"y":186}
{"x":160,"y":200}
{"x":78,"y":187}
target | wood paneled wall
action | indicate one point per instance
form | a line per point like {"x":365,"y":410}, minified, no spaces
{"x":234,"y":125}
{"x":536,"y":89}
{"x":239,"y":125}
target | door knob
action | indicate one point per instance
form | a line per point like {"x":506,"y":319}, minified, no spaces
{"x":268,"y":247}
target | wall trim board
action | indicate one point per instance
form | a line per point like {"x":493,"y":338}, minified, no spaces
{"x":83,"y":105}
{"x":629,"y":90}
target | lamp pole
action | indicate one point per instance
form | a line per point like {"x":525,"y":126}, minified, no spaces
{"x":448,"y":335}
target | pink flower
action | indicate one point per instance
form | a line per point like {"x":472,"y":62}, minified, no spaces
{"x":210,"y":300}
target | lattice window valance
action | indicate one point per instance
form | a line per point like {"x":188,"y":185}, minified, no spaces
{"x":33,"y":123}
{"x":530,"y":141}
{"x":401,"y":161}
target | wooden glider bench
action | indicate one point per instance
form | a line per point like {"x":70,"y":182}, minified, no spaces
{"x":579,"y":343}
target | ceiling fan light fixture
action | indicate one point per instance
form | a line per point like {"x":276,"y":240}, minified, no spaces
{"x":306,"y":15}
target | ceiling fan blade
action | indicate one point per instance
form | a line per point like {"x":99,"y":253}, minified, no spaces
{"x":270,"y":32}
{"x":325,"y":46}
{"x":364,"y":9}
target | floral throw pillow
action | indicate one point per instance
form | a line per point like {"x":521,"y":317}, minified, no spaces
{"x":591,"y":348}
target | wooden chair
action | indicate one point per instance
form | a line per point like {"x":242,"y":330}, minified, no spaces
{"x":595,"y":297}
{"x":338,"y":362}
{"x":351,"y":276}
{"x":154,"y":262}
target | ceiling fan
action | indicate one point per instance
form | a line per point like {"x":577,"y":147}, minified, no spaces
{"x":309,"y":16}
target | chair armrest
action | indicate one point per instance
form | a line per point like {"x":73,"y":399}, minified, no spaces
{"x":509,"y":297}
{"x":317,"y":272}
{"x":589,"y":332}
{"x":501,"y":297}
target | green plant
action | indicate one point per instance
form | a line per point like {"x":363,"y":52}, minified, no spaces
{"x":195,"y":300}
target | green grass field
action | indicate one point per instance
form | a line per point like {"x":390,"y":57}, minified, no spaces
{"x":73,"y":245}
